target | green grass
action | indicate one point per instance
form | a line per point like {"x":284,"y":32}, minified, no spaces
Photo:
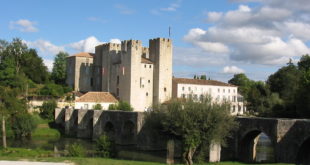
{"x":43,"y":129}
{"x":23,"y":152}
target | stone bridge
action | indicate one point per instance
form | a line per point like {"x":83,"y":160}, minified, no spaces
{"x":290,"y":138}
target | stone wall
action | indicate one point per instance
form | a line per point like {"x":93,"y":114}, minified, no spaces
{"x":287,"y":137}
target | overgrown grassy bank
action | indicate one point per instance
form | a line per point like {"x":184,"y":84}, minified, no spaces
{"x":105,"y":161}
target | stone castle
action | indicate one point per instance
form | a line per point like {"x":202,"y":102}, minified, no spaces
{"x":138,"y":75}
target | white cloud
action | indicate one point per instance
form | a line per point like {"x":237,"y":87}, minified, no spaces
{"x":87,"y":45}
{"x":115,"y":40}
{"x":196,"y":57}
{"x":124,"y":9}
{"x":232,"y":70}
{"x":297,"y":29}
{"x":23,"y":25}
{"x":244,"y":8}
{"x":214,"y":16}
{"x":172,"y":6}
{"x":261,"y":35}
{"x":44,"y":47}
{"x":49,"y":64}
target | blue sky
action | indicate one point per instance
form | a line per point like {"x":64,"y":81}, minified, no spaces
{"x":216,"y":38}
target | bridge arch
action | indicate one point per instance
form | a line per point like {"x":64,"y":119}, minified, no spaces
{"x":303,"y":155}
{"x":109,"y":129}
{"x":248,"y":145}
{"x":128,"y":132}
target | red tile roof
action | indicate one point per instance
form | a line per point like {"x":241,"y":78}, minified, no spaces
{"x":98,"y":97}
{"x":200,"y":82}
{"x":146,"y":61}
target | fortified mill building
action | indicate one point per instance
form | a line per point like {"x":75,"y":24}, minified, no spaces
{"x":138,"y":75}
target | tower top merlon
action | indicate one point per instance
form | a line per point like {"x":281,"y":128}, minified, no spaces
{"x":161,"y":39}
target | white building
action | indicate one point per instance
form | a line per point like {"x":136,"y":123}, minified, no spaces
{"x":90,"y":99}
{"x":218,"y":91}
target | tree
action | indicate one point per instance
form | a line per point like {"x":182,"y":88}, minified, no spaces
{"x":47,"y":109}
{"x":23,"y":125}
{"x":243,"y":82}
{"x":285,"y":81}
{"x":33,"y":67}
{"x":203,"y":77}
{"x":304,"y":63}
{"x":59,"y":68}
{"x":196,"y":124}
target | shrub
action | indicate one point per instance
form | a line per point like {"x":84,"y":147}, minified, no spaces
{"x":97,"y":107}
{"x":47,"y":109}
{"x":105,"y":146}
{"x":124,"y":106}
{"x":76,"y":150}
{"x":23,"y":125}
{"x":112,"y":107}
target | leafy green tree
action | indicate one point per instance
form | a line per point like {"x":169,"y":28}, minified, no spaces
{"x":304,"y":63}
{"x":285,"y":82}
{"x":203,"y":77}
{"x":33,"y":67}
{"x":302,"y":100}
{"x":243,"y":82}
{"x":196,"y":124}
{"x":52,"y":89}
{"x":59,"y":68}
{"x":47,"y":109}
{"x":23,"y":125}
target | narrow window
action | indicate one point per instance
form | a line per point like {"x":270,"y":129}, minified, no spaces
{"x":183,"y":88}
{"x":144,"y":66}
{"x":165,"y":89}
{"x":147,"y":94}
{"x":150,"y":66}
{"x":149,"y":81}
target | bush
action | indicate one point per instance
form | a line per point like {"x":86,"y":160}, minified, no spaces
{"x":23,"y":125}
{"x":97,"y":107}
{"x":47,"y":109}
{"x":76,"y":150}
{"x":105,"y":146}
{"x":112,"y":107}
{"x":122,"y":105}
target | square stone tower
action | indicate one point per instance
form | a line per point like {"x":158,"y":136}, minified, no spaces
{"x":160,"y":50}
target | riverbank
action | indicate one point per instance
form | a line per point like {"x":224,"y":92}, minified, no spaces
{"x":104,"y":161}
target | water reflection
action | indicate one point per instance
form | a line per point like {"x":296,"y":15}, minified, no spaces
{"x":264,"y":149}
